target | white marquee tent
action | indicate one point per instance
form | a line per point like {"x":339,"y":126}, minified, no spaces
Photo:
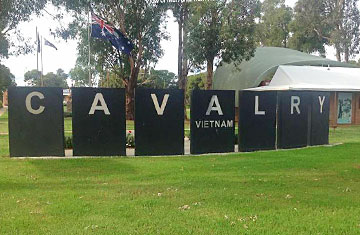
{"x":314,"y":78}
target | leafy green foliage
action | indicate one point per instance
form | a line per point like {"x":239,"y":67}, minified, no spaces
{"x":13,"y":12}
{"x":112,"y":80}
{"x":79,"y":76}
{"x":6,"y":78}
{"x":67,"y":114}
{"x":4,"y":46}
{"x":309,"y":19}
{"x":140,"y":21}
{"x":327,"y":22}
{"x":224,"y":30}
{"x":68,"y":142}
{"x":273,"y":29}
{"x":347,"y":37}
{"x":33,"y":78}
{"x":160,"y":79}
{"x":195,"y":82}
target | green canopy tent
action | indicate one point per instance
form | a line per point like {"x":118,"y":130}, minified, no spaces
{"x":263,"y":65}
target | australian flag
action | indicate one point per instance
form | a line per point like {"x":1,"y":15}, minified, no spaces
{"x":100,"y":29}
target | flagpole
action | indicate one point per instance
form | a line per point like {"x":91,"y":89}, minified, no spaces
{"x":89,"y":25}
{"x":37,"y":51}
{"x":42,"y":66}
{"x":107,"y":78}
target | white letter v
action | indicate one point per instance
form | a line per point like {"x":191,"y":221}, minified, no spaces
{"x":160,"y":110}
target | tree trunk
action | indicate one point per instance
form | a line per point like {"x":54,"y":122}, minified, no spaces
{"x":180,"y":47}
{"x":182,"y":58}
{"x":184,"y":79}
{"x":210,"y":72}
{"x":346,"y":54}
{"x":338,"y":53}
{"x":130,"y":94}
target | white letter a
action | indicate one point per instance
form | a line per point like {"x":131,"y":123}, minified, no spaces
{"x":102,"y":106}
{"x":214,"y":100}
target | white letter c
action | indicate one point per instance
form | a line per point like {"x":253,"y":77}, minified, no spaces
{"x":28,"y":103}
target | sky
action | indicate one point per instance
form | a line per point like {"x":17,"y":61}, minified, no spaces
{"x":65,"y":56}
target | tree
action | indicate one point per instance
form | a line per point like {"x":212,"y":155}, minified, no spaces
{"x":13,"y":12}
{"x":355,"y":62}
{"x":327,"y":22}
{"x":195,"y":82}
{"x":182,"y":13}
{"x":346,"y":36}
{"x":79,"y":76}
{"x":32,"y":78}
{"x":58,"y":79}
{"x":223,"y":30}
{"x":6,"y":78}
{"x":111,"y":80}
{"x":160,"y":79}
{"x":139,"y":20}
{"x":273,"y":29}
{"x":308,"y":16}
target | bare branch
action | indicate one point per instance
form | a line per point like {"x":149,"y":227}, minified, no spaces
{"x":320,"y":35}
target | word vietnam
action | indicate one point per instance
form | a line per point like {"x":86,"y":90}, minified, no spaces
{"x":267,"y":120}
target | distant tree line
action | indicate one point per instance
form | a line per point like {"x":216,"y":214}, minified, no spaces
{"x":58,"y":79}
{"x":312,"y":25}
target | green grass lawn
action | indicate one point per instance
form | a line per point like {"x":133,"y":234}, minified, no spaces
{"x":345,"y":134}
{"x":308,"y":191}
{"x":304,"y":191}
{"x":4,"y":123}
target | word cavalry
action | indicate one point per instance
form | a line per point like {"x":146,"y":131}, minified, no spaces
{"x":266,"y":120}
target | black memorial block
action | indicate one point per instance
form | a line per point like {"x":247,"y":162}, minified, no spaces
{"x":257,"y":120}
{"x":293,"y":119}
{"x":212,"y":121}
{"x":36,"y":123}
{"x":99,"y":125}
{"x":159,"y":122}
{"x":320,"y":110}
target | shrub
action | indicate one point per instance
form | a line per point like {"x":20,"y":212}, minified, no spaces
{"x":130,"y":140}
{"x":68,"y":142}
{"x":67,"y":114}
{"x":1,"y":104}
{"x":187,"y":133}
